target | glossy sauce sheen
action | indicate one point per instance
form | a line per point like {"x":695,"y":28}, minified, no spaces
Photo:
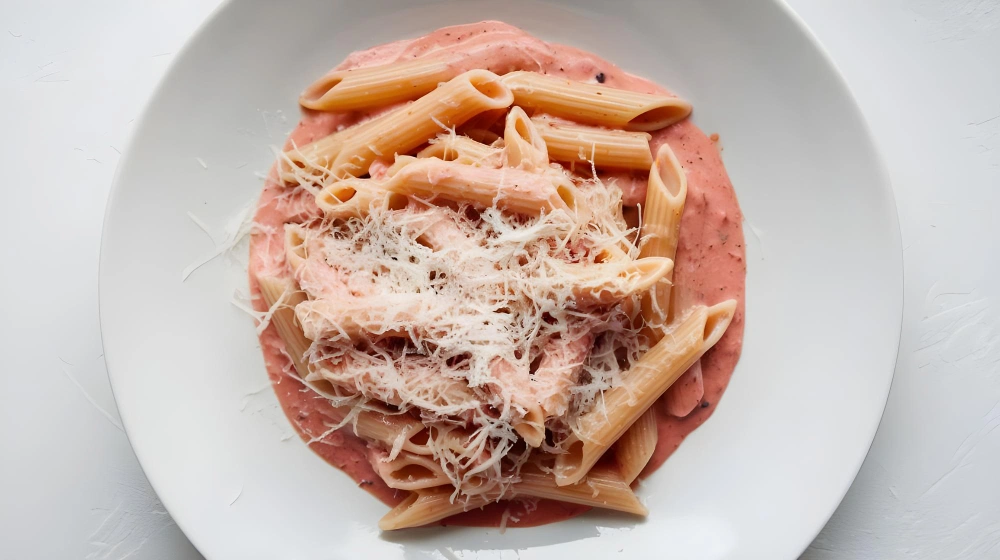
{"x":710,"y":264}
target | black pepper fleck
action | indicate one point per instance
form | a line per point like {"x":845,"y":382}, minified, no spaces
{"x":600,"y":77}
{"x":705,"y":404}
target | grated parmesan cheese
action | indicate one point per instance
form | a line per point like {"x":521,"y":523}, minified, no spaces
{"x":494,"y":288}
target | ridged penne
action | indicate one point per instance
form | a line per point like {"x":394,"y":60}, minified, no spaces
{"x":603,"y":488}
{"x":461,"y":149}
{"x":531,"y":428}
{"x":312,"y":163}
{"x":605,"y":148}
{"x":593,"y":104}
{"x":424,"y":507}
{"x":597,"y":430}
{"x":409,"y":471}
{"x":412,"y":125}
{"x":634,"y":449}
{"x":523,"y":147}
{"x":351,"y":319}
{"x":511,"y":189}
{"x":295,"y":246}
{"x":609,"y":282}
{"x":661,"y":225}
{"x":353,"y":198}
{"x":374,"y":86}
{"x":561,"y":364}
{"x":511,"y":378}
{"x":284,"y":294}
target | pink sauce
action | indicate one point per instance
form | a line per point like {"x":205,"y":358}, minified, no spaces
{"x":710,"y":264}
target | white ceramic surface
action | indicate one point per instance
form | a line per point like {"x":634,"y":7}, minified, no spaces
{"x":823,"y":311}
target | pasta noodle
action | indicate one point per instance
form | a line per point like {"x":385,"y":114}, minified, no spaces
{"x":603,"y":283}
{"x":345,"y":90}
{"x":412,"y":125}
{"x":461,"y":149}
{"x":661,"y":226}
{"x":409,"y":471}
{"x":644,"y":383}
{"x":634,"y":449}
{"x":353,"y":198}
{"x":511,"y":189}
{"x":592,"y":104}
{"x":281,"y":297}
{"x":524,"y":147}
{"x":605,"y":148}
{"x":603,"y":488}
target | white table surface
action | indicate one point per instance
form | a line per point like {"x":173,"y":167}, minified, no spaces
{"x":73,"y":76}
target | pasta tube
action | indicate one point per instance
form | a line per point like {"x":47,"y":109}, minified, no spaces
{"x":593,"y":104}
{"x":360,"y":88}
{"x":512,"y":189}
{"x":634,"y":449}
{"x":597,"y":430}
{"x":412,"y":125}
{"x":603,"y":488}
{"x":661,"y":226}
{"x":524,"y":147}
{"x":605,"y":148}
{"x":461,"y":149}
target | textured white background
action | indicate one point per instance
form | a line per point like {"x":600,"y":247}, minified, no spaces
{"x":73,"y":76}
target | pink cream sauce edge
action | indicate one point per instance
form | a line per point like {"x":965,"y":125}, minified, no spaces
{"x":710,"y":265}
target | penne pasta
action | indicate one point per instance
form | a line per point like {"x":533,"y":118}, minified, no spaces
{"x":461,"y":149}
{"x":312,"y":163}
{"x":353,"y":198}
{"x":524,"y":147}
{"x":408,"y":471}
{"x":603,"y":488}
{"x":514,"y":381}
{"x":661,"y":225}
{"x":562,"y":361}
{"x":360,"y":88}
{"x":295,"y":247}
{"x":605,"y":148}
{"x":593,"y":104}
{"x":283,"y":294}
{"x":531,"y":428}
{"x":636,"y":446}
{"x":597,"y":430}
{"x":410,"y":126}
{"x":609,"y":282}
{"x":511,"y":189}
{"x":424,"y":507}
{"x":352,"y":319}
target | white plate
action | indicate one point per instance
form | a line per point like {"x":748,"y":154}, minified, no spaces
{"x":823,"y":301}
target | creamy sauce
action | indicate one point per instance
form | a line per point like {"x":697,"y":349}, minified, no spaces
{"x":710,"y":265}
